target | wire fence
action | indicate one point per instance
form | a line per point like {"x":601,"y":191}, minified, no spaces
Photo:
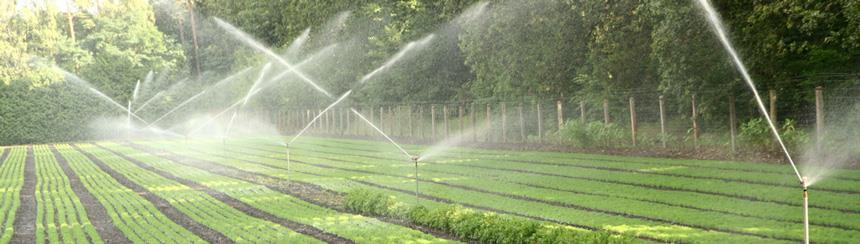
{"x":641,"y":120}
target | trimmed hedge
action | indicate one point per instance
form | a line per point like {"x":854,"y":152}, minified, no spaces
{"x":474,"y":225}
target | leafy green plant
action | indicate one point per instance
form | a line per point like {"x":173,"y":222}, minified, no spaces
{"x":756,"y":133}
{"x":475,"y":225}
{"x":577,"y":133}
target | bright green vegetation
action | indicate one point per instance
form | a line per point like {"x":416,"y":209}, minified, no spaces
{"x":658,"y":198}
{"x":354,"y":227}
{"x":201,"y":207}
{"x":473,"y":225}
{"x":478,"y":195}
{"x":60,"y":214}
{"x":137,"y":218}
{"x":11,"y":180}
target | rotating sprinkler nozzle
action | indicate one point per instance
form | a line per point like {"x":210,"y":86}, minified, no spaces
{"x":805,"y":184}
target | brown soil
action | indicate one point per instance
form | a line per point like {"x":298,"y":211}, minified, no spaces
{"x":241,"y":206}
{"x":305,"y":191}
{"x":162,"y":205}
{"x":96,"y":213}
{"x":25,"y":217}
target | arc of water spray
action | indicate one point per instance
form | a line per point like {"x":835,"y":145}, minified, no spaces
{"x":342,"y":97}
{"x":248,"y":96}
{"x":124,"y":108}
{"x":159,"y":94}
{"x":134,"y":94}
{"x":714,"y":19}
{"x":397,"y":56}
{"x":242,"y":36}
{"x":265,"y":84}
{"x":187,"y":101}
{"x":382,"y":133}
{"x":192,"y":98}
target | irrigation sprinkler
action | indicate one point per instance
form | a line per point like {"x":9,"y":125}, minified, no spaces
{"x":128,"y":120}
{"x":288,"y":164}
{"x":417,"y":198}
{"x":805,"y":184}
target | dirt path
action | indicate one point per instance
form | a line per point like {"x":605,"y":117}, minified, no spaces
{"x":168,"y":210}
{"x":552,"y":203}
{"x":95,"y":211}
{"x":25,"y":220}
{"x":241,"y":206}
{"x":304,"y":191}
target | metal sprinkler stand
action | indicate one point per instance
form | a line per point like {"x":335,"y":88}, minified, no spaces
{"x":288,"y":164}
{"x":415,"y":161}
{"x":805,"y":184}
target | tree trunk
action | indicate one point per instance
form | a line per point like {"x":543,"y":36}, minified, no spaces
{"x":194,"y":37}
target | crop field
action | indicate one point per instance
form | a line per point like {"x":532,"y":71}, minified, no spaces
{"x":241,"y":191}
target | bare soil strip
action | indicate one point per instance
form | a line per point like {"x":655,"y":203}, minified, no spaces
{"x":163,"y":206}
{"x":585,"y":156}
{"x":25,"y":220}
{"x":304,"y":191}
{"x":95,"y":211}
{"x":558,"y":204}
{"x":441,"y":200}
{"x":613,"y":169}
{"x":239,"y":205}
{"x":552,"y":203}
{"x":656,"y":187}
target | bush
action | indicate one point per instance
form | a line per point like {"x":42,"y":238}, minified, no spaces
{"x":474,"y":225}
{"x":756,"y":133}
{"x":591,"y":134}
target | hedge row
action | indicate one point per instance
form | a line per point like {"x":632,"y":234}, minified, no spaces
{"x":475,"y":225}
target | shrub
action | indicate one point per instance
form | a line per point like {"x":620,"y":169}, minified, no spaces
{"x":591,"y":134}
{"x":757,"y":133}
{"x":475,"y":225}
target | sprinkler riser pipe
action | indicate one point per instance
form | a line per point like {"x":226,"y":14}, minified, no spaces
{"x":415,"y":161}
{"x":805,"y":210}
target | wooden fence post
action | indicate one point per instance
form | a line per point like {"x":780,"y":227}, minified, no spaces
{"x":445,"y":117}
{"x":606,"y":111}
{"x":633,"y":120}
{"x":539,"y":115}
{"x":474,"y":122}
{"x":662,"y":121}
{"x":582,"y":112}
{"x":819,"y":118}
{"x":522,"y":124}
{"x":489,"y":123}
{"x":559,"y":113}
{"x":421,"y":130}
{"x":773,"y":114}
{"x":460,"y":112}
{"x":695,"y":117}
{"x":733,"y":120}
{"x":409,"y":114}
{"x":433,"y":122}
{"x":504,"y":122}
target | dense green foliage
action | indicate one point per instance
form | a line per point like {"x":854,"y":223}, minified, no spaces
{"x":474,"y":225}
{"x":507,"y":50}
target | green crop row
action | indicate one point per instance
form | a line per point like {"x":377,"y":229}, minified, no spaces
{"x":480,"y":226}
{"x":763,"y":192}
{"x":600,"y":203}
{"x":724,"y":167}
{"x":639,"y":226}
{"x":11,"y":181}
{"x":781,"y":174}
{"x":136,"y":217}
{"x":355,"y":227}
{"x":200,"y":206}
{"x":509,"y":172}
{"x":60,"y":214}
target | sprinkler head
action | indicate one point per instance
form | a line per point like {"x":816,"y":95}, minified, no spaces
{"x":805,"y":183}
{"x":415,"y":158}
